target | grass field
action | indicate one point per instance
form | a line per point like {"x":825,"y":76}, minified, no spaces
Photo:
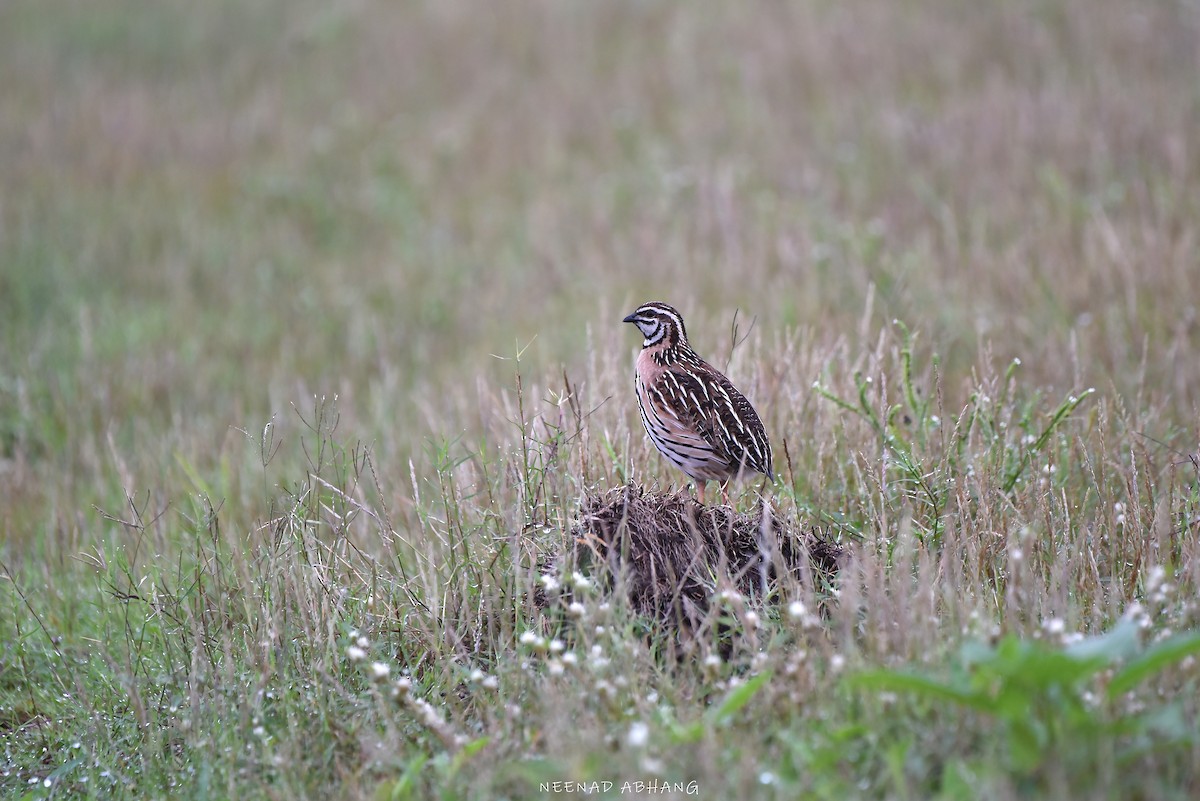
{"x":310,"y":349}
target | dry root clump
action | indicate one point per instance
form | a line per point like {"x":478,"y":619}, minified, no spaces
{"x":671,"y":554}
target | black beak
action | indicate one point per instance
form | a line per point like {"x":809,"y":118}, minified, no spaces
{"x":631,"y":318}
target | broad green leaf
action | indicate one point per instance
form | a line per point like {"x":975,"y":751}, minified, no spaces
{"x":1120,"y":642}
{"x":1154,"y":659}
{"x":897,"y":681}
{"x":1042,"y":667}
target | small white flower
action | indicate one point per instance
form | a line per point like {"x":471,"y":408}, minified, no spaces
{"x":1055,"y":625}
{"x":379,"y":671}
{"x":355,"y":653}
{"x":797,"y":609}
{"x":639,"y":735}
{"x":555,"y":667}
{"x":1016,"y":555}
{"x":569,"y":658}
{"x":751,"y":620}
{"x":712,"y":661}
{"x":836,"y":663}
{"x":1157,"y":574}
{"x":490,"y":683}
{"x":550,"y":583}
{"x":432,"y":718}
{"x":363,"y":642}
{"x":529,"y":638}
{"x":795,"y":663}
{"x":476,"y":675}
{"x":581,"y":581}
{"x":557,"y":646}
{"x":576,"y":609}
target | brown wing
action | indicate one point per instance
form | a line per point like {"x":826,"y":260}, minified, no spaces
{"x":724,"y":418}
{"x":671,"y":423}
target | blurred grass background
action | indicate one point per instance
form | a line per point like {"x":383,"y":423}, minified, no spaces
{"x":209,"y":207}
{"x":212,"y":212}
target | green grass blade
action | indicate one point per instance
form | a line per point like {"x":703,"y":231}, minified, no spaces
{"x":737,"y":698}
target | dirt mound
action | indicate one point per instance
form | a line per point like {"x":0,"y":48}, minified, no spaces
{"x":671,"y":554}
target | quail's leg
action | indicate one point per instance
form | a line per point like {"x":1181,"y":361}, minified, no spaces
{"x":700,"y":491}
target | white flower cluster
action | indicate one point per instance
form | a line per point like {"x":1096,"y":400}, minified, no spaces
{"x":799,"y":612}
{"x":560,"y":657}
{"x":357,"y":650}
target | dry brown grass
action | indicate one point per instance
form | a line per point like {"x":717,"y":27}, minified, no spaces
{"x":673,"y":555}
